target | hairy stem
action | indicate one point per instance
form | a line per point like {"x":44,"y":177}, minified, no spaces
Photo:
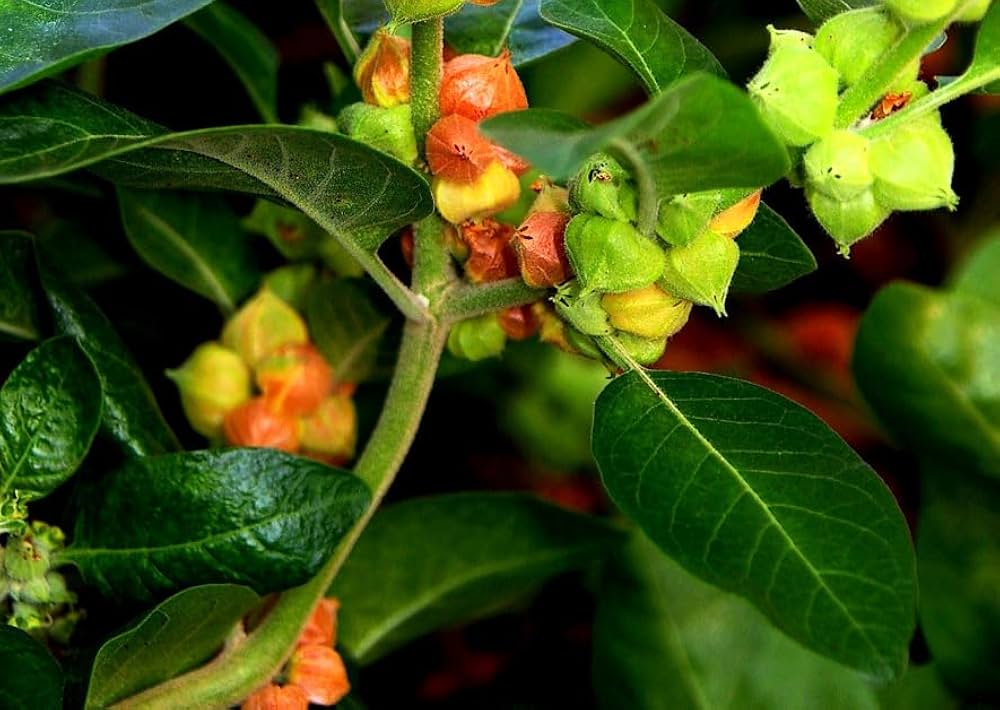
{"x":426,"y":66}
{"x":469,"y":301}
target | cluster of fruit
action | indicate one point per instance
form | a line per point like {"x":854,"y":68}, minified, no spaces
{"x":299,"y":407}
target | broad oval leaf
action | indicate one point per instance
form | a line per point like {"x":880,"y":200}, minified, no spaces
{"x":702,"y":133}
{"x":130,"y":415}
{"x":347,"y":327}
{"x":50,"y":408}
{"x":36,"y":682}
{"x":637,"y":33}
{"x":193,"y":238}
{"x":430,"y":562}
{"x":18,"y":307}
{"x":178,"y":635}
{"x":976,"y":277}
{"x":928,"y":363}
{"x":771,"y":255}
{"x":754,"y":494}
{"x":821,"y":10}
{"x":257,"y":517}
{"x":43,"y":37}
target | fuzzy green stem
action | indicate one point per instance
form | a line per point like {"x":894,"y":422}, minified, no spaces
{"x":469,"y":301}
{"x":426,"y":67}
{"x":648,"y":200}
{"x":409,"y":303}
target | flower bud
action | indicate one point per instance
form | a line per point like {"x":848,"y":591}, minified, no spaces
{"x":261,"y":326}
{"x":733,"y":220}
{"x":321,"y":628}
{"x":386,"y":129}
{"x":611,"y":256}
{"x":214,"y":380}
{"x":256,"y":424}
{"x":518,"y":322}
{"x":476,"y":86}
{"x":477,"y":338}
{"x":383,"y":70}
{"x":847,"y":221}
{"x":320,"y":672}
{"x":494,"y":191}
{"x":541,"y":249}
{"x":603,"y":187}
{"x":274,"y":697}
{"x":331,"y":430}
{"x":838,"y":165}
{"x":921,"y":12}
{"x":24,"y":560}
{"x":644,"y":351}
{"x":796,"y":90}
{"x":681,"y":218}
{"x":852,"y":41}
{"x":913,"y":166}
{"x":583,"y":311}
{"x":294,"y":378}
{"x":702,"y":271}
{"x":491,"y":256}
{"x":457,"y":151}
{"x":649,"y":312}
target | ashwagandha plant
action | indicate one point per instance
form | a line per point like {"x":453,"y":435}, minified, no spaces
{"x":428,"y":187}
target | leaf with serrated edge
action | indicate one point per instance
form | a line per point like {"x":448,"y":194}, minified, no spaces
{"x":771,"y":255}
{"x":18,"y":307}
{"x":753,"y":493}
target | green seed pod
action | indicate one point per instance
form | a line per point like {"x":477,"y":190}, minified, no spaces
{"x":974,"y":12}
{"x":789,"y":38}
{"x":702,"y":271}
{"x":921,"y":12}
{"x":649,"y":312}
{"x":644,"y":351}
{"x":611,"y":256}
{"x":603,"y":187}
{"x":852,"y":41}
{"x":583,"y":344}
{"x":33,"y":591}
{"x":796,"y":90}
{"x":838,"y":165}
{"x":582,"y":311}
{"x":684,"y":217}
{"x":847,"y":221}
{"x":477,"y":338}
{"x":24,"y":560}
{"x":913,"y":166}
{"x":386,"y":129}
{"x":213,"y":381}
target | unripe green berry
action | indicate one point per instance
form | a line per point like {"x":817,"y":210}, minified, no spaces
{"x":24,"y":560}
{"x":852,"y":41}
{"x":838,"y":165}
{"x":583,"y":344}
{"x":847,"y":221}
{"x":974,"y":12}
{"x":702,"y":271}
{"x":789,"y":38}
{"x":212,"y":382}
{"x":386,"y":129}
{"x":611,"y":256}
{"x":603,"y":187}
{"x":477,"y":338}
{"x":649,"y":312}
{"x":683,"y":217}
{"x":921,"y":12}
{"x":913,"y":166}
{"x":582,"y":311}
{"x":644,"y":351}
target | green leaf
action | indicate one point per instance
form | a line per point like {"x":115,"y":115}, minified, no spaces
{"x":32,"y":680}
{"x":333,"y":12}
{"x":638,"y":34}
{"x":430,"y":562}
{"x":257,"y":517}
{"x":921,"y":688}
{"x":50,"y":408}
{"x":928,"y":363}
{"x":18,"y":307}
{"x":977,"y":275}
{"x":130,"y":415}
{"x":665,"y":640}
{"x":407,"y":11}
{"x":771,"y":255}
{"x":820,"y":10}
{"x":702,"y":133}
{"x":45,"y":37}
{"x":347,"y":327}
{"x":753,"y":493}
{"x":194,"y":239}
{"x":177,"y":636}
{"x":246,"y":49}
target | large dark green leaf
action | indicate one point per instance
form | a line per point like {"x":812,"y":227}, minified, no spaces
{"x":820,"y":10}
{"x":347,"y":327}
{"x":43,"y":37}
{"x":178,"y":635}
{"x":356,"y":193}
{"x":771,"y":255}
{"x":18,"y":307}
{"x":130,"y":414}
{"x":431,"y":562}
{"x":50,"y":408}
{"x":637,"y":33}
{"x":664,"y":640}
{"x":754,"y":494}
{"x":978,"y":274}
{"x":246,"y":49}
{"x":928,"y":362}
{"x":257,"y":517}
{"x":701,"y":133}
{"x":195,"y":239}
{"x":31,"y":678}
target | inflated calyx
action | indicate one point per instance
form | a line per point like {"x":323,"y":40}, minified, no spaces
{"x":920,"y":12}
{"x":477,"y":338}
{"x":702,"y":271}
{"x":913,"y":166}
{"x":603,"y":187}
{"x":649,"y":312}
{"x":852,"y":41}
{"x":386,"y":129}
{"x":847,"y":221}
{"x":611,"y":256}
{"x":838,"y":166}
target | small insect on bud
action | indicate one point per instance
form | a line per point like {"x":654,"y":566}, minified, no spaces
{"x":294,"y":378}
{"x":491,"y":255}
{"x":477,"y":338}
{"x":847,"y":221}
{"x":731,"y":222}
{"x":212,"y":382}
{"x":644,"y":351}
{"x":649,"y":312}
{"x":518,"y":322}
{"x":263,"y":325}
{"x":702,"y":271}
{"x":603,"y":187}
{"x":852,"y":41}
{"x":580,"y":310}
{"x":256,"y":424}
{"x":913,"y":166}
{"x":383,"y":70}
{"x":838,"y":166}
{"x":477,"y":86}
{"x":921,"y":12}
{"x":275,"y":697}
{"x":386,"y":129}
{"x":457,"y":151}
{"x":796,"y":90}
{"x":320,"y":672}
{"x":494,"y":191}
{"x":611,"y":256}
{"x":331,"y":430}
{"x":541,"y":249}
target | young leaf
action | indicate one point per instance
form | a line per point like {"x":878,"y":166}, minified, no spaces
{"x":43,"y":38}
{"x":195,"y":239}
{"x":638,"y":34}
{"x":50,"y":408}
{"x":257,"y":517}
{"x":32,"y":680}
{"x":702,"y":133}
{"x":928,"y":362}
{"x":515,"y":24}
{"x":18,"y":307}
{"x":754,"y":494}
{"x":821,"y":10}
{"x":976,"y":277}
{"x":771,"y":255}
{"x":246,"y":49}
{"x":430,"y":562}
{"x":178,"y":635}
{"x":130,"y":414}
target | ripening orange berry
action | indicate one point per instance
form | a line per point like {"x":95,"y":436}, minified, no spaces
{"x":491,"y":257}
{"x":518,"y":322}
{"x":477,"y":86}
{"x":541,"y":249}
{"x":331,"y":431}
{"x":383,"y":70}
{"x":494,"y":191}
{"x":295,"y":378}
{"x":321,"y":628}
{"x":255,"y":423}
{"x":456,"y":150}
{"x":275,"y":697}
{"x":320,"y":672}
{"x":730,"y":222}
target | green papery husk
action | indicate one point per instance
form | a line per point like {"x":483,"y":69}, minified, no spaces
{"x":839,"y":165}
{"x":921,"y":12}
{"x":603,"y":187}
{"x":386,"y":129}
{"x":683,"y":217}
{"x":702,"y":271}
{"x":477,"y":338}
{"x":847,"y":221}
{"x":611,"y":256}
{"x":582,"y":311}
{"x":913,"y":166}
{"x":644,"y":351}
{"x":852,"y":41}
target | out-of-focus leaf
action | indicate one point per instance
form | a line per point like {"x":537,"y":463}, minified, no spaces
{"x":347,"y":327}
{"x":820,"y":10}
{"x":19,"y":316}
{"x":32,"y":680}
